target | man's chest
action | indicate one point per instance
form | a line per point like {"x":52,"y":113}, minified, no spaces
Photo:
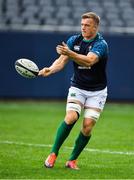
{"x":82,"y":47}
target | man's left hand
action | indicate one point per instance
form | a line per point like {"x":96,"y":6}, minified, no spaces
{"x":63,"y":49}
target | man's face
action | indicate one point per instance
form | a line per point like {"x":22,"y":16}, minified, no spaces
{"x":88,"y":28}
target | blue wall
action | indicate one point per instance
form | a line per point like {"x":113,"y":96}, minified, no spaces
{"x":40,"y":47}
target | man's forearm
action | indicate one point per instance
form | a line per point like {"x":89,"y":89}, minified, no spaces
{"x":83,"y":60}
{"x":55,"y":67}
{"x":80,"y":59}
{"x":58,"y":65}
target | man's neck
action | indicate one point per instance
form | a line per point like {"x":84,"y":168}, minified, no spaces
{"x":88,"y":39}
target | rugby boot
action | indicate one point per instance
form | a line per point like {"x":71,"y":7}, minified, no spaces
{"x":72,"y":165}
{"x":50,"y":161}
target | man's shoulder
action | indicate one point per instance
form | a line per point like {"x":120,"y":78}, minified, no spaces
{"x":100,"y":41}
{"x":75,"y":37}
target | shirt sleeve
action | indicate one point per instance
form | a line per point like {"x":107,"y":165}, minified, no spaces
{"x":99,"y":48}
{"x":70,"y":42}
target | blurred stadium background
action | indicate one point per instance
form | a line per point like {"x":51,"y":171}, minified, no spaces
{"x":32,"y":29}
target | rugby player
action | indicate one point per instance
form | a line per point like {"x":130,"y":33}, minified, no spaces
{"x":88,"y":90}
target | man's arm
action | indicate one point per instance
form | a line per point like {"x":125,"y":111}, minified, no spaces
{"x":55,"y":67}
{"x":83,"y":60}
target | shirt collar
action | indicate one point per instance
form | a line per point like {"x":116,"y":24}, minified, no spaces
{"x":90,"y":40}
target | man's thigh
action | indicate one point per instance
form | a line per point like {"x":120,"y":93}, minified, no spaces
{"x":96,"y":99}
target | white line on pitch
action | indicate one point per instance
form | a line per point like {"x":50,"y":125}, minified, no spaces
{"x":65,"y":147}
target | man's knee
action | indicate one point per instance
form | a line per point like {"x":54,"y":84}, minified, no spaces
{"x":87,"y":127}
{"x":71,"y":117}
{"x":73,"y":111}
{"x":90,"y":118}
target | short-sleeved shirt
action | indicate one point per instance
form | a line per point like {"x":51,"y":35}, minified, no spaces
{"x":89,"y":78}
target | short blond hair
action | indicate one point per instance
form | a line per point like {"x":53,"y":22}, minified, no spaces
{"x":92,"y":15}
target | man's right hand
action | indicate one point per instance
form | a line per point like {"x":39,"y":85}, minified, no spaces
{"x":44,"y":72}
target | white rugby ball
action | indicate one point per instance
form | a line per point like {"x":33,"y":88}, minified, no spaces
{"x":26,"y":68}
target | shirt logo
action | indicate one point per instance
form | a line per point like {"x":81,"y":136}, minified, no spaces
{"x":73,"y":94}
{"x":90,"y":48}
{"x":76,"y":48}
{"x":83,"y":67}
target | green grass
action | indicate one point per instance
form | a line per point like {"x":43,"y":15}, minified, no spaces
{"x":28,"y":128}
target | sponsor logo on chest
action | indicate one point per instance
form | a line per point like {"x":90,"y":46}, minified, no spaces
{"x":90,"y":47}
{"x":76,"y":48}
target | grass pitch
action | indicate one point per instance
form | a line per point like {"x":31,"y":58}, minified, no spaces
{"x":27,"y":131}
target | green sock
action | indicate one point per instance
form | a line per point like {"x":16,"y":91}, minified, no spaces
{"x":62,"y":133}
{"x":80,"y":143}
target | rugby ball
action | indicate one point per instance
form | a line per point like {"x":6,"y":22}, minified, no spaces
{"x":26,"y":68}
